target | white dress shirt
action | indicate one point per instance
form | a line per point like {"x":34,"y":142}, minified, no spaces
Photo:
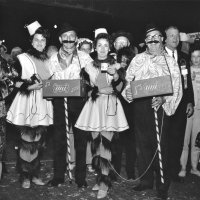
{"x":170,"y":52}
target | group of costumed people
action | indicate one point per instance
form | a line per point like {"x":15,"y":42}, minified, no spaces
{"x":101,"y":114}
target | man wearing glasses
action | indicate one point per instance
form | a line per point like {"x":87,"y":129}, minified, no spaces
{"x":154,"y":62}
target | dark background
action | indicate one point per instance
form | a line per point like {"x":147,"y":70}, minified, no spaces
{"x":86,"y":15}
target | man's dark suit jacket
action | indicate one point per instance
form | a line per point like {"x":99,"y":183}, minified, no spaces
{"x":179,"y":119}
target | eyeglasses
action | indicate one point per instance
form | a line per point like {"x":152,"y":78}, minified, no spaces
{"x":156,"y":36}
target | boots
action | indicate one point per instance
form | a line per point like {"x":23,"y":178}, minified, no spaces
{"x":103,"y":184}
{"x":103,"y":190}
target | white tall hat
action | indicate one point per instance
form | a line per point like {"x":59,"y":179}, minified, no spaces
{"x":33,"y":27}
{"x":99,"y":30}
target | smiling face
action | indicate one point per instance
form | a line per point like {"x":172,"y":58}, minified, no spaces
{"x":68,"y":39}
{"x":102,"y":48}
{"x":86,"y":48}
{"x":39,"y":42}
{"x":172,"y":39}
{"x":154,"y":40}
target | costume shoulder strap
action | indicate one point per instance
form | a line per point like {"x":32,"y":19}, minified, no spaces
{"x":28,"y":66}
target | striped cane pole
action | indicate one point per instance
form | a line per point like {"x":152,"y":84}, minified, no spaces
{"x":159,"y":147}
{"x":68,"y":142}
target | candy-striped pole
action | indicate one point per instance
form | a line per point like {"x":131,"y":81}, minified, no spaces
{"x":159,"y":147}
{"x":68,"y":141}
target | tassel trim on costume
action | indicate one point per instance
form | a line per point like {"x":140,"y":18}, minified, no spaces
{"x":95,"y":144}
{"x":29,"y":168}
{"x":84,"y":76}
{"x":122,"y":73}
{"x":33,"y":132}
{"x":94,"y":94}
{"x":31,"y":147}
{"x":24,"y":87}
{"x":105,"y":179}
{"x":89,"y":137}
{"x":99,"y":163}
{"x":37,"y":54}
{"x":26,"y":83}
{"x":106,"y":143}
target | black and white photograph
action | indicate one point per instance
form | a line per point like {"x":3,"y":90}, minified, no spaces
{"x":99,"y":99}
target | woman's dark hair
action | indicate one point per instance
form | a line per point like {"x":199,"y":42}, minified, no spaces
{"x":44,"y":32}
{"x":128,"y":52}
{"x":194,"y":47}
{"x":103,"y":36}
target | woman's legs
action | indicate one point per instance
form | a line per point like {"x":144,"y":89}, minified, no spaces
{"x":195,"y":151}
{"x":29,"y":155}
{"x":185,"y":151}
{"x":101,"y":148}
{"x":89,"y":157}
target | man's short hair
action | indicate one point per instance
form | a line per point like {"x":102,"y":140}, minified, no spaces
{"x":122,"y":33}
{"x":171,"y":27}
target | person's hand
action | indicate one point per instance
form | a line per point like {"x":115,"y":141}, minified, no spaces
{"x":108,"y":90}
{"x":189,"y":110}
{"x":18,"y":84}
{"x":129,"y":95}
{"x":123,"y":65}
{"x":130,"y":77}
{"x":157,"y":102}
{"x":49,"y":99}
{"x":111,"y":70}
{"x":36,"y":86}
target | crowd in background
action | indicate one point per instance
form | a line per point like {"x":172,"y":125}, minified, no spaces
{"x":107,"y":121}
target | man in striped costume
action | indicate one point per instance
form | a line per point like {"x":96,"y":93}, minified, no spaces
{"x":154,"y":62}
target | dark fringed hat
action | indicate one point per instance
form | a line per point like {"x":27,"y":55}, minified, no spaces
{"x":65,"y":27}
{"x":151,"y":27}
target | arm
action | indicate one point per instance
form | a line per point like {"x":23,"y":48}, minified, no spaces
{"x":121,"y":82}
{"x":25,"y":86}
{"x":189,"y":95}
{"x":126,"y":93}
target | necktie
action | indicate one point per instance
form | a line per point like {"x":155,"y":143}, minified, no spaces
{"x":173,"y":54}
